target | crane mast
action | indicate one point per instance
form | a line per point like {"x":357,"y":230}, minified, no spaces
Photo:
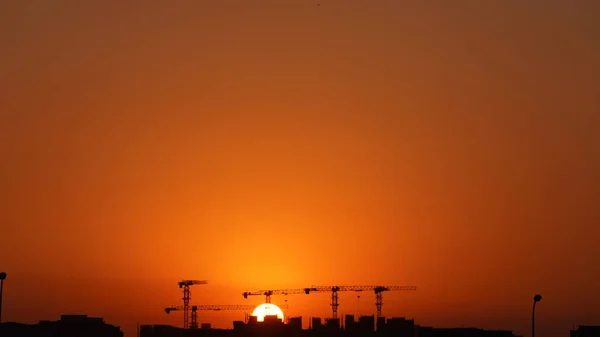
{"x":185,"y":285}
{"x":378,"y":290}
{"x":212,"y":307}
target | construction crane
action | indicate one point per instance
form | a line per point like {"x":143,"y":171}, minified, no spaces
{"x":269,"y":293}
{"x":378,"y":290}
{"x":195,"y":308}
{"x":187,"y":295}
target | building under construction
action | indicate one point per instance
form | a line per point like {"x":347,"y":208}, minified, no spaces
{"x":375,"y":325}
{"x":364,"y":326}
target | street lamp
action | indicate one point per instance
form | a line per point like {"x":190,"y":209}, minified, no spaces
{"x":536,"y":299}
{"x":2,"y":277}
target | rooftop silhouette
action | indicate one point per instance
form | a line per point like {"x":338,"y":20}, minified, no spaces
{"x":67,"y":326}
{"x":363,"y":327}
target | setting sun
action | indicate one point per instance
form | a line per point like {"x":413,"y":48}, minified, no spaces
{"x":267,"y":309}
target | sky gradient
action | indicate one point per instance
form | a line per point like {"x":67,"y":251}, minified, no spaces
{"x":450,"y":145}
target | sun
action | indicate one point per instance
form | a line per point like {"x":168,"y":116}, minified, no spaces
{"x":267,"y":309}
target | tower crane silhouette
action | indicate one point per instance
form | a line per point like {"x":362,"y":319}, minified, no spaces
{"x":195,"y":308}
{"x":268,"y":293}
{"x":187,"y":295}
{"x":378,"y":290}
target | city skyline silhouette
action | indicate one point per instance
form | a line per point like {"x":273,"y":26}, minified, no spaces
{"x":263,"y":144}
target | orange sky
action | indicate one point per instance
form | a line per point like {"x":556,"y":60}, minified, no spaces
{"x":264,"y":144}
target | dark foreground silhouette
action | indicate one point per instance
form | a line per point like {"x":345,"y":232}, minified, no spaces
{"x":68,"y":326}
{"x":365,"y":326}
{"x":83,"y":326}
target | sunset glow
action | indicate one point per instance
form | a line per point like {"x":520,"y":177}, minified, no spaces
{"x":267,"y":309}
{"x":259,"y":144}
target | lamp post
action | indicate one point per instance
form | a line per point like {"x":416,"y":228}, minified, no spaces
{"x":2,"y":277}
{"x":536,"y":299}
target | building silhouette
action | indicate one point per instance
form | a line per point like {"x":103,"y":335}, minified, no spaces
{"x":586,"y":331}
{"x":67,"y":326}
{"x":363,"y":327}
